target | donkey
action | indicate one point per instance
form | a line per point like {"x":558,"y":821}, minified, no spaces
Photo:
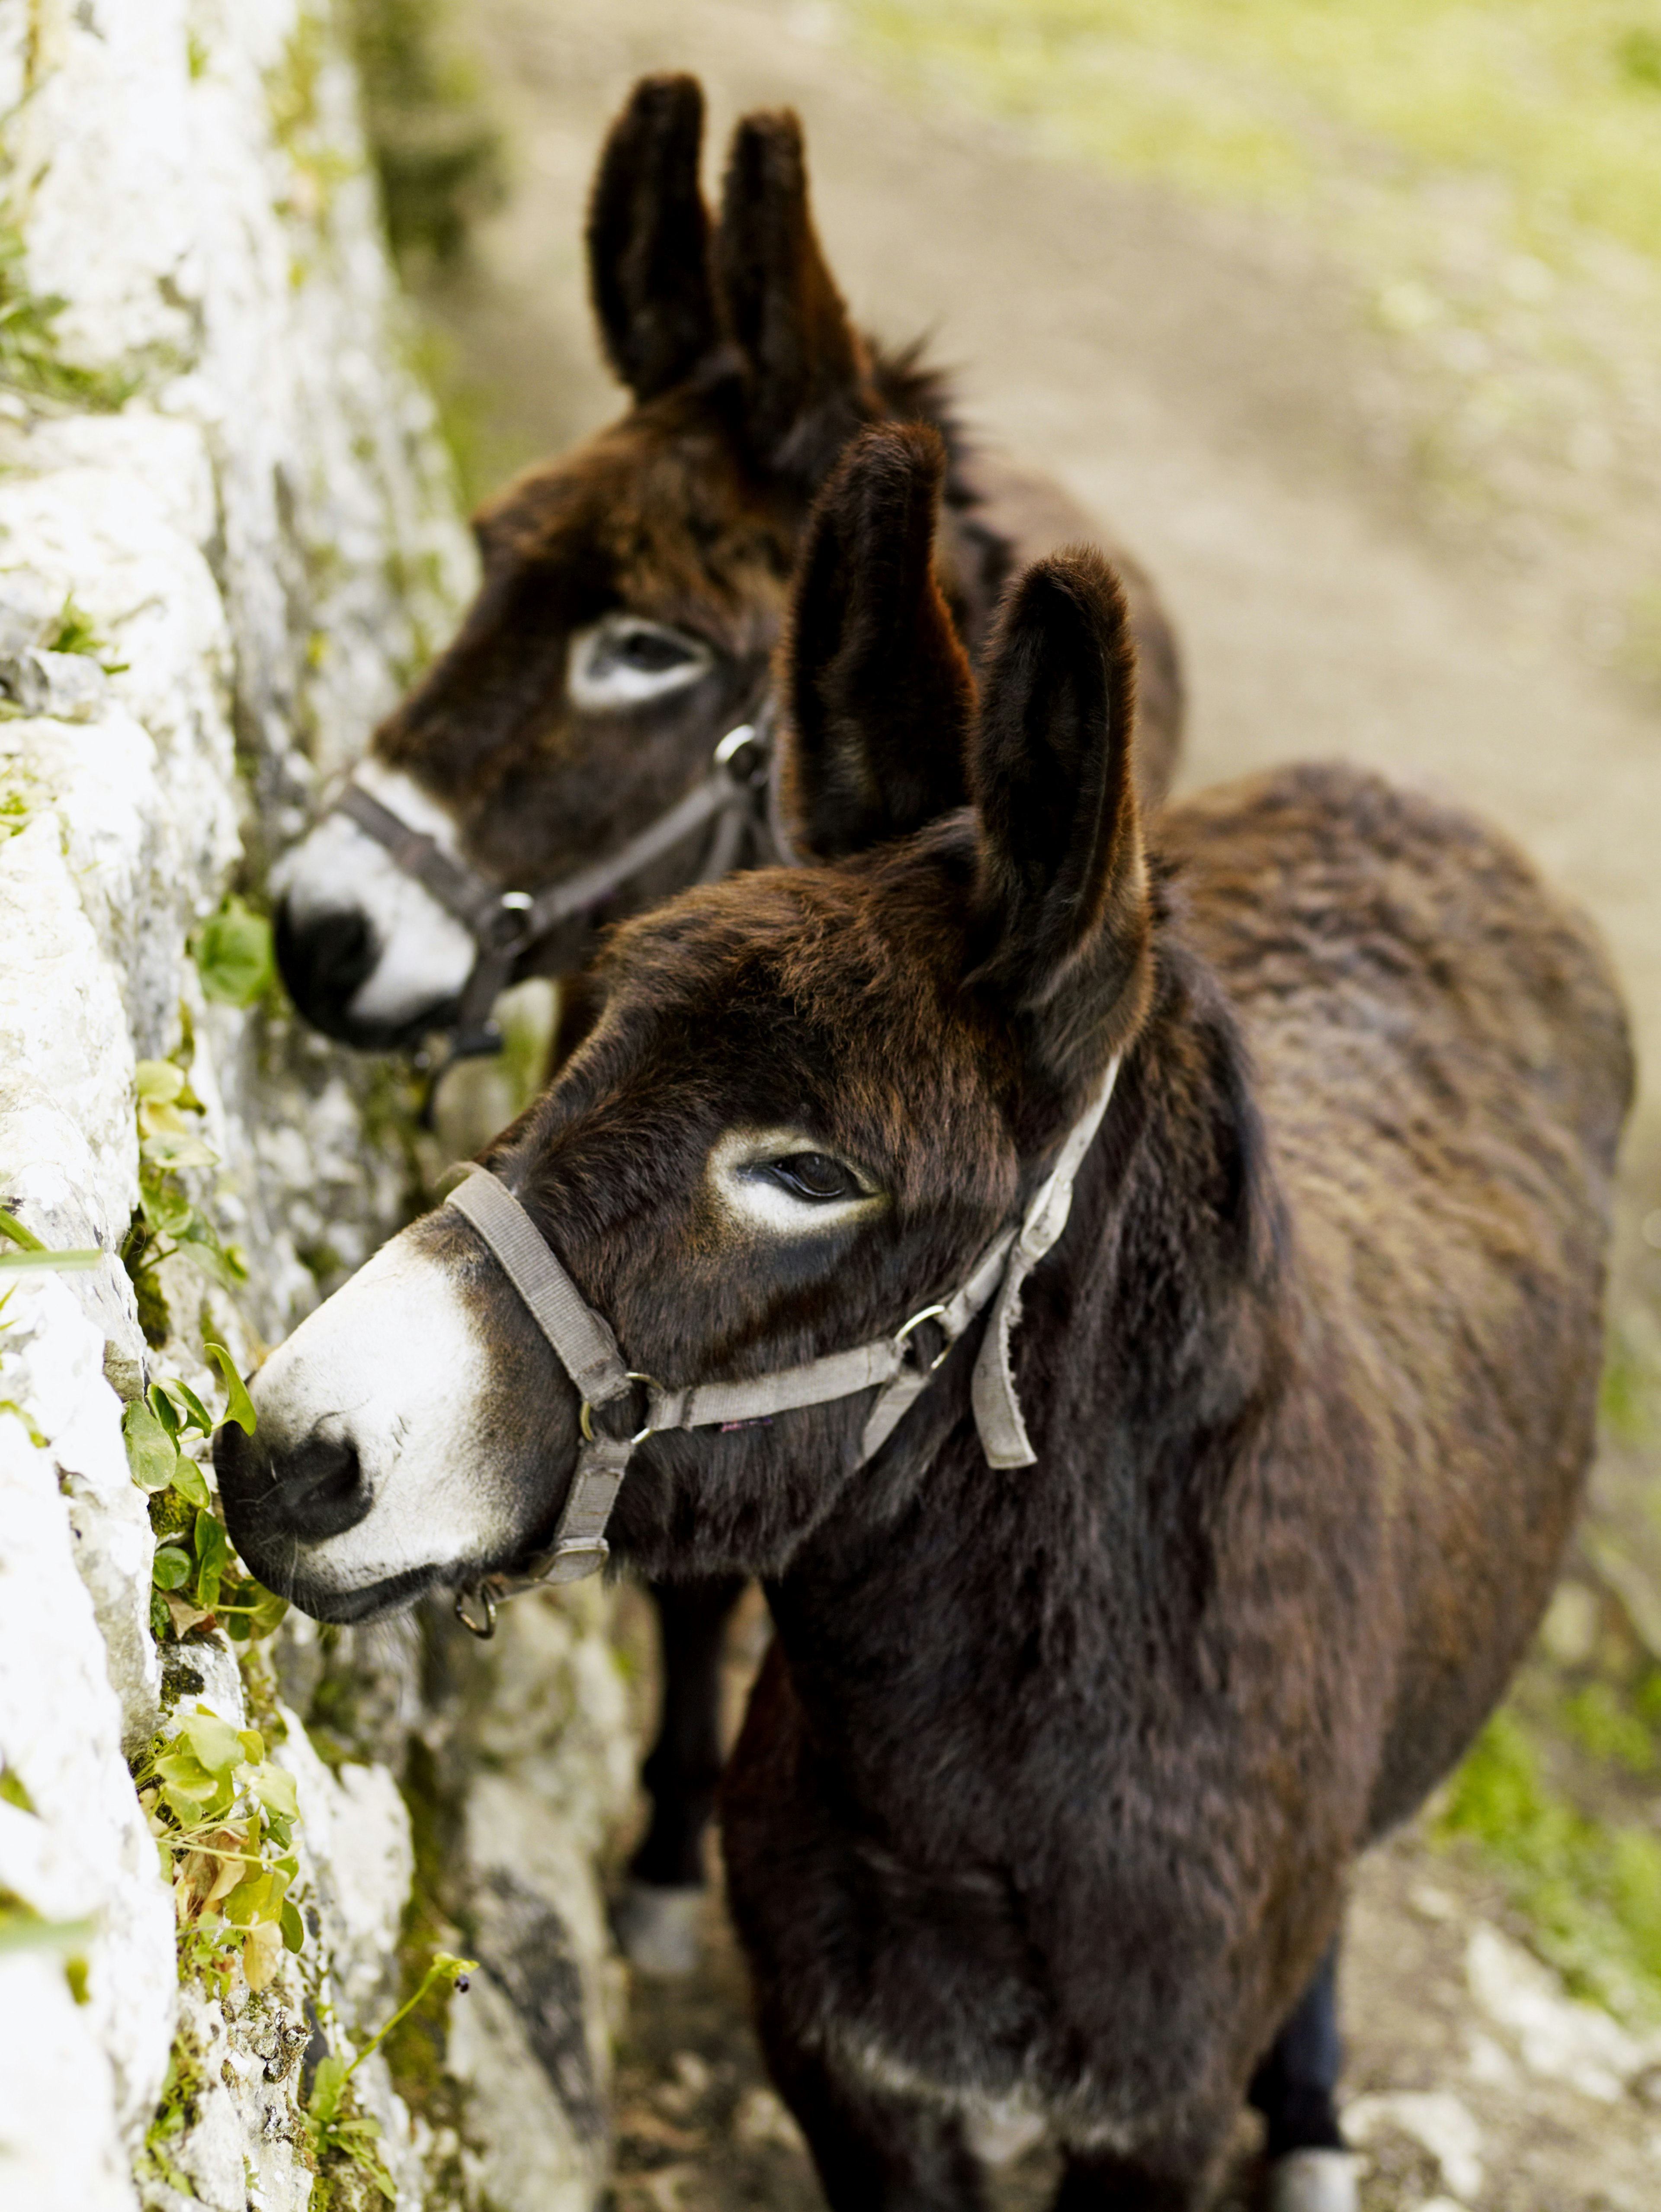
{"x":1105,"y":1636}
{"x":566,"y":741}
{"x":560,"y":753}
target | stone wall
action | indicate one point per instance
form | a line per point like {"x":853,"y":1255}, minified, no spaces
{"x":227,"y":537}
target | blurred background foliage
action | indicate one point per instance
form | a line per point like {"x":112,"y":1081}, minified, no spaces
{"x":1558,"y":101}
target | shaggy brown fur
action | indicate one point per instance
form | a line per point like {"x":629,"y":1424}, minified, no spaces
{"x":748,"y":379}
{"x":1048,"y":1790}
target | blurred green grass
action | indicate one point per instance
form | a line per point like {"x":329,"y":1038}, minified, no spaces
{"x":1557,"y":102}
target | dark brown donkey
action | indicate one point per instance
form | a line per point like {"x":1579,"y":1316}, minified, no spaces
{"x":1042,"y":1812}
{"x":632,"y":597}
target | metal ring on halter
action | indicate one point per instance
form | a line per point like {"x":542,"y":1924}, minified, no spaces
{"x":584,"y":1418}
{"x":735,"y":741}
{"x":479,"y":1593}
{"x":928,"y":1313}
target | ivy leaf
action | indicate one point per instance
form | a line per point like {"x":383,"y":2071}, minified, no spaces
{"x":173,"y":1148}
{"x":214,"y":1742}
{"x":192,"y":1793}
{"x":238,"y":1406}
{"x":262,"y":1953}
{"x":268,"y":1611}
{"x":327,"y":2084}
{"x":159,"y":1079}
{"x":294,"y":1928}
{"x":151,"y":1453}
{"x":168,"y":1212}
{"x":233,"y":954}
{"x":173,"y":1568}
{"x":163,"y":1406}
{"x":213,"y":1553}
{"x":190,"y":1481}
{"x":177,"y":1407}
{"x":274,"y":1786}
{"x":257,"y":1897}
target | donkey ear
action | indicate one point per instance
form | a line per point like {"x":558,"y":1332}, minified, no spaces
{"x":1061,"y":892}
{"x":878,"y":690}
{"x":808,"y":370}
{"x":648,"y":238}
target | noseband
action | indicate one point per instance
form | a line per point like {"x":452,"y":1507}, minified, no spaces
{"x":894,"y":1365}
{"x":735,"y":795}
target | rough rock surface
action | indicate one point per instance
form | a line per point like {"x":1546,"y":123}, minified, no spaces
{"x":214,"y":576}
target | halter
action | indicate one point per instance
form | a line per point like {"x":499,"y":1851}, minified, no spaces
{"x":894,"y":1365}
{"x":736,"y":794}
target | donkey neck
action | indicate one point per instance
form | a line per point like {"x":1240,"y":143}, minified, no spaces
{"x":953,"y":1602}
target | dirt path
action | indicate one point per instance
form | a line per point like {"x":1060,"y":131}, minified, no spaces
{"x":1198,"y":378}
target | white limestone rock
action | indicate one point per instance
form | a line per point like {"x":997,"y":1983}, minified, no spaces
{"x":84,"y":1852}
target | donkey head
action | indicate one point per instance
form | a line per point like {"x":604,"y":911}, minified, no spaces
{"x":814,"y":1098}
{"x":632,"y":591}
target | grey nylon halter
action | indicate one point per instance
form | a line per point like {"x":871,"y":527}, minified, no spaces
{"x":587,"y":1350}
{"x":736,"y":794}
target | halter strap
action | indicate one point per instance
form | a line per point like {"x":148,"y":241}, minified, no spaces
{"x":587,"y":1348}
{"x":505,"y":925}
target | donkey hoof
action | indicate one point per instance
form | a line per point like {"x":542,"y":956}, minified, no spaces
{"x":658,"y":1928}
{"x":1314,"y":2181}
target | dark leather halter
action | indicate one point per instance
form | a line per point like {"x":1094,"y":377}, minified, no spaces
{"x":733,"y":803}
{"x":895,"y":1366}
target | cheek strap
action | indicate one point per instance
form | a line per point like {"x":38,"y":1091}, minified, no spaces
{"x":585,"y":1346}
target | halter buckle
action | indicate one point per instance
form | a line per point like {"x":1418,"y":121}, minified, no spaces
{"x":585,"y":1423}
{"x":927,"y":1313}
{"x":506,"y":926}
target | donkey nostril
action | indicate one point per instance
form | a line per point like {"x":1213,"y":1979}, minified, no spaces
{"x":324,"y":961}
{"x":319,"y":1491}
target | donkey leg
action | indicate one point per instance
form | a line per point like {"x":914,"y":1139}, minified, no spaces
{"x":874,"y":2152}
{"x":1295,"y":2088}
{"x":656,"y":1919}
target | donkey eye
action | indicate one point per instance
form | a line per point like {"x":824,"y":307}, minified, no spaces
{"x":624,"y":660}
{"x":653,"y":651}
{"x":778,"y":1182}
{"x":814,"y":1176}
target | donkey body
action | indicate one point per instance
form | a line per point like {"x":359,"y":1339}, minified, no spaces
{"x":632,"y":601}
{"x":1042,"y":1807}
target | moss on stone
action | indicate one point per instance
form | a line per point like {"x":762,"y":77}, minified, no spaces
{"x":30,"y":359}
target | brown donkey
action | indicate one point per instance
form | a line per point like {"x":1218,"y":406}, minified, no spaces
{"x":1107,"y":1636}
{"x":557,"y":767}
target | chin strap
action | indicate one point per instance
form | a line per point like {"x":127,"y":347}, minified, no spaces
{"x":586,"y":1347}
{"x":733,"y":797}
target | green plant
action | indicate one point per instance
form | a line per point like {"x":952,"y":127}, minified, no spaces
{"x":233,"y":954}
{"x":334,"y":2129}
{"x":1590,"y":1891}
{"x":196,"y":1576}
{"x":29,"y":358}
{"x":168,"y":1221}
{"x":223,"y":1815}
{"x":28,"y":1251}
{"x":73,"y":633}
